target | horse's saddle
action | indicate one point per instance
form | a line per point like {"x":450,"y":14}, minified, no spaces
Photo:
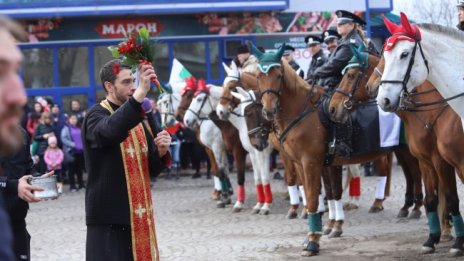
{"x":363,"y":127}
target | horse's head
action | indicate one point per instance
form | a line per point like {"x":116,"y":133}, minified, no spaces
{"x":258,"y":128}
{"x":372,"y":86}
{"x":405,"y":64}
{"x":187,"y":94}
{"x":350,"y":92}
{"x":228,"y":102}
{"x":167,"y":104}
{"x":270,"y":80}
{"x":200,"y":108}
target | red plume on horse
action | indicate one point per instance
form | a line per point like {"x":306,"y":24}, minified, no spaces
{"x":190,"y":85}
{"x":201,"y":87}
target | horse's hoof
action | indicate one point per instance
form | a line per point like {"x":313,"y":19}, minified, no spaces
{"x":216,"y":195}
{"x":227,"y":201}
{"x":304,"y":214}
{"x":238,"y":206}
{"x":326,"y":231}
{"x":335,"y":233}
{"x":291,"y":215}
{"x":264,"y":212}
{"x":427,"y":250}
{"x":415,"y":214}
{"x":311,"y":249}
{"x":446,"y":237}
{"x":403,"y":213}
{"x":255,"y":211}
{"x":220,"y":204}
{"x":375,"y":209}
{"x":454,"y":252}
{"x":350,"y":206}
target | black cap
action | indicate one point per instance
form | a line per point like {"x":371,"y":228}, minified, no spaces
{"x":347,"y":17}
{"x":460,"y":3}
{"x":243,"y":49}
{"x":261,"y":49}
{"x":312,"y":40}
{"x":288,"y":50}
{"x":330,"y":34}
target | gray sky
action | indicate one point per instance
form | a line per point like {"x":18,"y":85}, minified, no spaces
{"x":431,"y":11}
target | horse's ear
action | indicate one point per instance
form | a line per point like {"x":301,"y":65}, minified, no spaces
{"x":406,"y":24}
{"x":241,"y":91}
{"x":233,"y":67}
{"x":280,"y":51}
{"x":356,"y":52}
{"x":255,"y":51}
{"x":227,"y":69}
{"x":391,"y":27}
{"x":238,"y":95}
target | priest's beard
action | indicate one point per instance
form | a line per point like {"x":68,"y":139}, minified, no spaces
{"x":11,"y":138}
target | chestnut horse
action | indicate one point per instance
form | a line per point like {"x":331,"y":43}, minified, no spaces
{"x":292,"y":105}
{"x":258,"y":134}
{"x":438,"y":149}
{"x":231,"y":139}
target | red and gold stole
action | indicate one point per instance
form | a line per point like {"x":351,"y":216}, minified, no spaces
{"x":134,"y":150}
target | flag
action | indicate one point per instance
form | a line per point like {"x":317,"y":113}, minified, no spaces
{"x":178,"y":75}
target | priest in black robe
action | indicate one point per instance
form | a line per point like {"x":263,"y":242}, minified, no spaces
{"x":121,"y":152}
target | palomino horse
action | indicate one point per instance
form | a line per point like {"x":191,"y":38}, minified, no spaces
{"x":258,"y":133}
{"x":415,"y":53}
{"x":292,"y":105}
{"x":203,"y":105}
{"x":231,"y":140}
{"x":438,"y":149}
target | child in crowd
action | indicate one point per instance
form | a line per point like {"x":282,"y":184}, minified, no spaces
{"x":54,"y":158}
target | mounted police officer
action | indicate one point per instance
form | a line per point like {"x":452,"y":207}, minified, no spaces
{"x":460,"y":7}
{"x":330,"y":38}
{"x":318,"y":57}
{"x":288,"y":56}
{"x":349,"y":27}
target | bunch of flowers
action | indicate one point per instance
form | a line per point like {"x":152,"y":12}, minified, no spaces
{"x":136,"y":50}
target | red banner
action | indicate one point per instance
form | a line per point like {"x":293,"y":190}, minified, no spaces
{"x":117,"y":28}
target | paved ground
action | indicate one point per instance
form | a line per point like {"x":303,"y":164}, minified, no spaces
{"x":189,"y":227}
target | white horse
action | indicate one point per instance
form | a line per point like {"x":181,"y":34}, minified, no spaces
{"x":167,"y":105}
{"x":211,"y":137}
{"x":203,"y":105}
{"x":422,"y":52}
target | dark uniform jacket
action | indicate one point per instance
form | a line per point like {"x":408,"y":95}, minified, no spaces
{"x":317,"y":61}
{"x":106,"y":196}
{"x":6,"y":238}
{"x":14,"y":167}
{"x":297,"y":68}
{"x":330,"y":74}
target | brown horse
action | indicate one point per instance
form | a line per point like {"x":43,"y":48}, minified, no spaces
{"x":259,"y":134}
{"x":231,"y":141}
{"x":438,"y":149}
{"x":292,"y":105}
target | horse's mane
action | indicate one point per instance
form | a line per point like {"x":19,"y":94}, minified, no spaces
{"x":448,"y":31}
{"x":291,"y":79}
{"x":250,"y":65}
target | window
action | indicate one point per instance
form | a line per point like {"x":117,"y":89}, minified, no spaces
{"x":38,"y":68}
{"x":101,"y":56}
{"x":192,"y":56}
{"x":73,"y":66}
{"x":161,"y":61}
{"x":214,"y":59}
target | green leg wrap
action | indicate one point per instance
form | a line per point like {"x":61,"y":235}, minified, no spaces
{"x":434,"y":223}
{"x":225,"y":185}
{"x":458,"y":225}
{"x":314,"y":223}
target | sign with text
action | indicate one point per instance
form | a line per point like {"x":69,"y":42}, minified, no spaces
{"x":119,"y":28}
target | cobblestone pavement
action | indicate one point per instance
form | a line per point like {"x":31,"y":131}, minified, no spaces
{"x":190,"y":227}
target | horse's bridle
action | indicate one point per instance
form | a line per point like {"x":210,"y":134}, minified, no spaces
{"x":170,"y":108}
{"x":277,"y":93}
{"x":197,"y":114}
{"x":405,"y":80}
{"x":348,"y":103}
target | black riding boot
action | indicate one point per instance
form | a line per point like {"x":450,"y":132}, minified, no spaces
{"x":343,"y":134}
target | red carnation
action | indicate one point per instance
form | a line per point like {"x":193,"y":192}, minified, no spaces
{"x":116,"y":68}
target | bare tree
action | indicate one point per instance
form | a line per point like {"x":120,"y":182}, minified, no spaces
{"x":435,"y":11}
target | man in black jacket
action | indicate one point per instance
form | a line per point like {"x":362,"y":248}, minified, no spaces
{"x":12,"y":99}
{"x":18,"y":193}
{"x":120,"y":153}
{"x":460,"y":7}
{"x":318,"y":57}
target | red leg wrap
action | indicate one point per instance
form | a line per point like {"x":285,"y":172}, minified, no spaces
{"x":241,"y":193}
{"x":260,"y":193}
{"x":355,"y":187}
{"x":267,"y":193}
